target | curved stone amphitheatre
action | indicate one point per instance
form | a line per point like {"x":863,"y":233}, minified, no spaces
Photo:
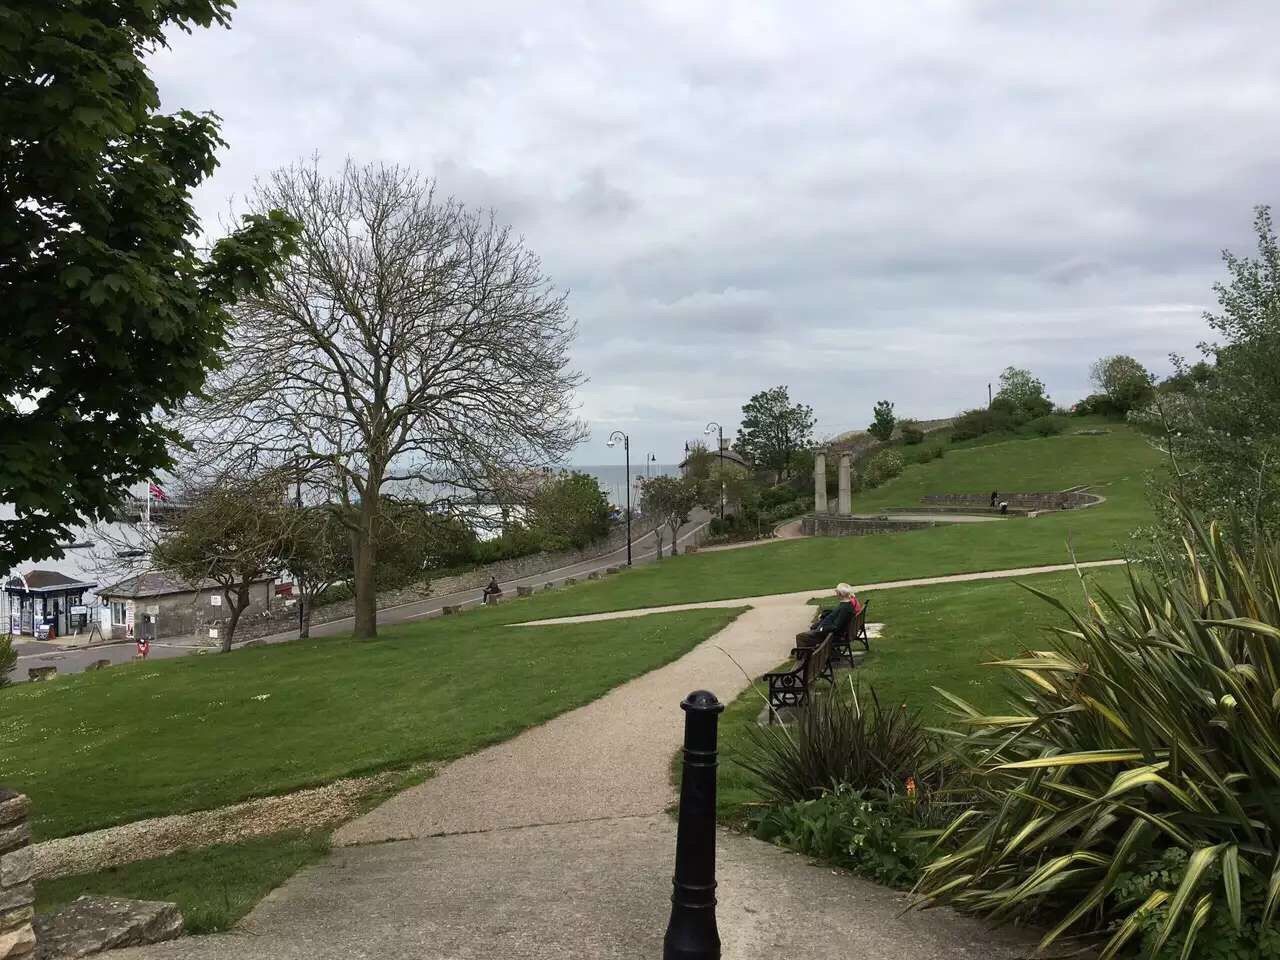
{"x":1072,"y":499}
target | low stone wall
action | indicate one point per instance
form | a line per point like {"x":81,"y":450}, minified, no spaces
{"x":17,"y":892}
{"x":825,"y":525}
{"x":983,"y":510}
{"x":1061,"y":500}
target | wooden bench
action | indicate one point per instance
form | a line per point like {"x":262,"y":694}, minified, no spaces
{"x":842,"y":645}
{"x":790,"y":688}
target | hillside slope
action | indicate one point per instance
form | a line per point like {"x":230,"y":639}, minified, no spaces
{"x":1114,"y":465}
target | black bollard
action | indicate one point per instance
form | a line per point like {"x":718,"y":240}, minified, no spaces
{"x":691,"y":933}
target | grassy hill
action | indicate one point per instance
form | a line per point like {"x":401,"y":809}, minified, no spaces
{"x":1115,"y":465}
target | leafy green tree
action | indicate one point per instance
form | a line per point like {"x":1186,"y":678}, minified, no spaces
{"x":1023,"y":394}
{"x":569,"y":510}
{"x":317,"y":551}
{"x":773,"y":429}
{"x":669,"y":500}
{"x":1222,"y":432}
{"x":235,"y":532}
{"x":112,"y":317}
{"x":1187,"y":379}
{"x":1125,"y":381}
{"x":882,"y":426}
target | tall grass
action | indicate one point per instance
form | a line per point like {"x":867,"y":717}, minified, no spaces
{"x":1132,"y":793}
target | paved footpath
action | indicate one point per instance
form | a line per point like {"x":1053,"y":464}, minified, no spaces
{"x":555,"y":844}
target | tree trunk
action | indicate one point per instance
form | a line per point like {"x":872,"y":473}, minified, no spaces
{"x":366,"y":599}
{"x":307,"y":598}
{"x":236,"y":606}
{"x":675,"y":538}
{"x":657,"y":535}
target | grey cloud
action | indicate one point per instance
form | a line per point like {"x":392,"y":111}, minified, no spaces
{"x":912,"y":195}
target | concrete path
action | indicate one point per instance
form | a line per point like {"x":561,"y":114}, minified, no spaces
{"x":555,"y":844}
{"x":611,"y":758}
{"x":586,"y":891}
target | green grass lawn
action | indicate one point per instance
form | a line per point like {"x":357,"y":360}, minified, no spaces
{"x":195,"y":733}
{"x":213,"y":887}
{"x":1116,"y":464}
{"x":940,"y":636}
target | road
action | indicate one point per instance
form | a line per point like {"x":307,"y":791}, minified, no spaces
{"x":73,"y":659}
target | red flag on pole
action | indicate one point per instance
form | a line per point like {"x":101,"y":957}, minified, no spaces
{"x":155,"y":490}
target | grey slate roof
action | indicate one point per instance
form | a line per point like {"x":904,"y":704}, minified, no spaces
{"x":47,"y":581}
{"x":156,"y":584}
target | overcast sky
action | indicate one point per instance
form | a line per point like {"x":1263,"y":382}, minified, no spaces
{"x":859,"y":200}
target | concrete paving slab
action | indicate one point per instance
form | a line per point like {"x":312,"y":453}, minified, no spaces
{"x":582,"y":890}
{"x":610,"y":758}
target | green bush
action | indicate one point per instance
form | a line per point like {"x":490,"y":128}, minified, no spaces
{"x":569,"y":511}
{"x":1047,"y":426}
{"x":8,"y":658}
{"x":972,"y":424}
{"x":873,"y":833}
{"x":885,"y":465}
{"x":925,"y":453}
{"x":1098,"y":405}
{"x":840,"y":739}
{"x":1148,"y":728}
{"x":771,"y":497}
{"x":912,"y":432}
{"x":1219,"y":939}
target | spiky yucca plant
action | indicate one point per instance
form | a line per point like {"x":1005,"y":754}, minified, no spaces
{"x":1154,"y":724}
{"x":844,"y":738}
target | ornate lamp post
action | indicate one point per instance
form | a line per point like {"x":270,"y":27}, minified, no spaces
{"x":720,"y":452}
{"x":651,"y":458}
{"x":626,"y":447}
{"x":298,"y":454}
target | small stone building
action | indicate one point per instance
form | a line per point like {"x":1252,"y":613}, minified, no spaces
{"x":158,"y":605}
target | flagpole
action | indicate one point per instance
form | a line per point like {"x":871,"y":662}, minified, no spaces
{"x":147,"y":523}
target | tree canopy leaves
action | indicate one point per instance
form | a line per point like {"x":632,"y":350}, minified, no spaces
{"x":112,"y":316}
{"x":773,"y":429}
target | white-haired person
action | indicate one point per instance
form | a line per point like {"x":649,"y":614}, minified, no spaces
{"x":834,"y":621}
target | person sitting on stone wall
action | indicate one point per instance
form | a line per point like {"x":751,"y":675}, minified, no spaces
{"x":834,"y":621}
{"x":492,"y":592}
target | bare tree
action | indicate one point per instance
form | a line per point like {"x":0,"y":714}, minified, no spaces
{"x":409,"y":342}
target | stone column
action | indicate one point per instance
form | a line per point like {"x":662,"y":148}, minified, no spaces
{"x":17,"y":893}
{"x":846,"y":500}
{"x":819,"y":482}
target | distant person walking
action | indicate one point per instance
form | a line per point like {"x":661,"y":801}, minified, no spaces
{"x":995,"y":496}
{"x":492,"y":592}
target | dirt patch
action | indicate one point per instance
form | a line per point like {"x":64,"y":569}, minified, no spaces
{"x":317,"y":808}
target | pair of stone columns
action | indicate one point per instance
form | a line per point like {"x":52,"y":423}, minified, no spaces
{"x":845,"y":504}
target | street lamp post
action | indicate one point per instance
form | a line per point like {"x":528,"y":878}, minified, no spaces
{"x":626,"y":447}
{"x":297,"y":503}
{"x":651,"y":458}
{"x":720,"y":452}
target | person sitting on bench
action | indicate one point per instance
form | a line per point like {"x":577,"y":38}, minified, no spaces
{"x":835,"y":621}
{"x":492,"y":592}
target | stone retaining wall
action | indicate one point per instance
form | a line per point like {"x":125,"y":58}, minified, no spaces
{"x":17,"y":892}
{"x":835,"y":526}
{"x":1061,"y":500}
